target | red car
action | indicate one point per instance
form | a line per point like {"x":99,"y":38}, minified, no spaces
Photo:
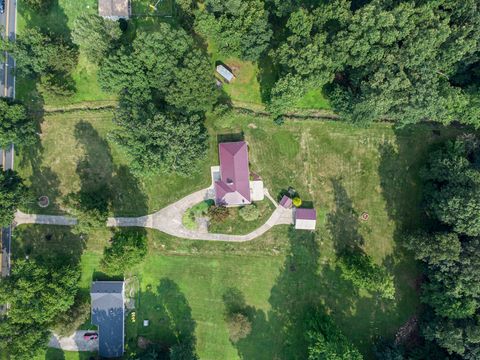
{"x":90,"y":336}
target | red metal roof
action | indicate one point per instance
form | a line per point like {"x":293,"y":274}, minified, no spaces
{"x":306,"y":214}
{"x":286,"y":202}
{"x":233,"y":188}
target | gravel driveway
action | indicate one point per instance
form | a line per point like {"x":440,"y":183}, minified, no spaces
{"x":75,"y":342}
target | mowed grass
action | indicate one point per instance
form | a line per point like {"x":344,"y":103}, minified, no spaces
{"x":75,"y":153}
{"x":340,"y":170}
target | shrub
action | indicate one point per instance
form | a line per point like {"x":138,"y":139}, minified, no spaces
{"x":360,"y":269}
{"x":239,"y":326}
{"x":127,"y":250}
{"x":297,"y":202}
{"x":218,"y":213}
{"x":188,"y":220}
{"x":249,"y":213}
{"x":67,"y":323}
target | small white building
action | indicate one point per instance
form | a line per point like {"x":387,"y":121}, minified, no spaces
{"x":305,"y":219}
{"x":114,"y":9}
{"x":225,"y":73}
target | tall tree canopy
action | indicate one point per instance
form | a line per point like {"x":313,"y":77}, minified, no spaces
{"x":37,"y":293}
{"x":128,"y":248}
{"x":95,"y":35}
{"x":453,"y":186}
{"x":13,"y":193}
{"x":165,"y":84}
{"x":161,"y":140}
{"x":239,"y":27}
{"x":48,"y":56}
{"x":15,"y":125}
{"x":387,"y":59}
{"x":160,"y":63}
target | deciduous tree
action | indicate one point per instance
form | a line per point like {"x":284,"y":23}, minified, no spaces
{"x":13,"y":193}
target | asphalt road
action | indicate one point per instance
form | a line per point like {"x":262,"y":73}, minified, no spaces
{"x":8,"y":22}
{"x":6,"y":161}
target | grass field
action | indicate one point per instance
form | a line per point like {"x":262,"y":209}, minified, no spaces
{"x":234,"y":224}
{"x":75,"y":153}
{"x":342,"y":170}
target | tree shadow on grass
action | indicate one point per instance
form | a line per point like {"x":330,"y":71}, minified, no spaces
{"x":45,"y":243}
{"x":98,"y":172}
{"x":169,"y":315}
{"x":302,"y":285}
{"x":343,"y":221}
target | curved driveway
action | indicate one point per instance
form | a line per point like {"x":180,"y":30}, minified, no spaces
{"x":169,"y":220}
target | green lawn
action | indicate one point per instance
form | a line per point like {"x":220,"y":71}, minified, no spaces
{"x":75,"y":153}
{"x":234,"y":224}
{"x":341,"y":170}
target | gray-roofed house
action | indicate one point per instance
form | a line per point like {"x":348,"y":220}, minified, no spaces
{"x":114,"y":9}
{"x":225,"y":73}
{"x":108,"y":313}
{"x":305,"y":219}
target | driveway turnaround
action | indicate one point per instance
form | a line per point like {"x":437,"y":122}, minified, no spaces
{"x":169,"y":220}
{"x":74,"y":342}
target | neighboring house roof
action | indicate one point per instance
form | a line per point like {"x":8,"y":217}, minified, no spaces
{"x":305,"y":219}
{"x":286,"y":202}
{"x":233,"y":188}
{"x":108,"y":313}
{"x":225,"y":73}
{"x":114,"y":8}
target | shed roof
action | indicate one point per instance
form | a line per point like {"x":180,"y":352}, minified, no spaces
{"x":108,"y":313}
{"x":114,"y":8}
{"x":305,"y":219}
{"x":226,"y":74}
{"x":286,"y":202}
{"x":233,"y":188}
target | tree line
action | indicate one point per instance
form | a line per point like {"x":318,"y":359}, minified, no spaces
{"x":449,"y":250}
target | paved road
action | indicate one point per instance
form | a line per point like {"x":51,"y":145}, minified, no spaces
{"x":8,"y":22}
{"x":6,"y":162}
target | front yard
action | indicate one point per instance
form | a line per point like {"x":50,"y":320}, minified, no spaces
{"x":343,"y":171}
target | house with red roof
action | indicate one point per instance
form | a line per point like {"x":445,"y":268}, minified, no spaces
{"x":233,"y":186}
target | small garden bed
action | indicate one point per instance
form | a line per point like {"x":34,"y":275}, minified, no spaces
{"x":235,"y":224}
{"x":191,"y":216}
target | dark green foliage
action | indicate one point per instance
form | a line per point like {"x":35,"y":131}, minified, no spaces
{"x":166,"y":85}
{"x":151,"y":69}
{"x":453,"y":186}
{"x":458,"y":337}
{"x":161,"y":141}
{"x":218,"y":213}
{"x":326,"y":342}
{"x":90,"y":208}
{"x":13,"y":193}
{"x":95,"y":35}
{"x":239,"y":27}
{"x":67,"y":322}
{"x":37,"y":294}
{"x":386,"y":60}
{"x":42,"y":6}
{"x":128,"y":249}
{"x":184,"y":350}
{"x":434,"y":248}
{"x":49,"y":57}
{"x":453,"y":290}
{"x":15,"y":126}
{"x":360,"y":269}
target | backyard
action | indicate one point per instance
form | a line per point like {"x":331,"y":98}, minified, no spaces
{"x":343,"y":171}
